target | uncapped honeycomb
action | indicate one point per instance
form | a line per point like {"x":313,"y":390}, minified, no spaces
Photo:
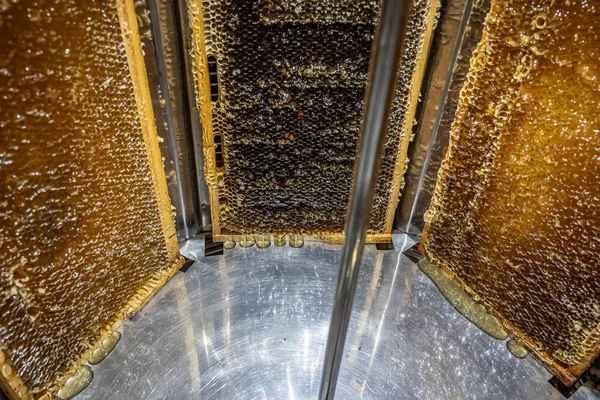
{"x":516,"y":212}
{"x":281,"y":87}
{"x":81,"y":237}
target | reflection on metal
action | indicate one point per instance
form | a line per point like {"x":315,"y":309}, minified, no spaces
{"x":296,"y":241}
{"x":105,"y":348}
{"x":516,"y":349}
{"x":218,"y":332}
{"x":159,"y":35}
{"x":193,"y":114}
{"x":462,"y":301}
{"x":75,"y":384}
{"x":458,"y":32}
{"x":385,"y":59}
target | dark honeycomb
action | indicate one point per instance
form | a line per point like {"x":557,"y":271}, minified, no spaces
{"x":80,"y":231}
{"x":291,"y":82}
{"x":516,"y":212}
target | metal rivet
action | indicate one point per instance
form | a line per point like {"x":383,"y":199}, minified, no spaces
{"x":75,"y":384}
{"x":296,"y":241}
{"x":105,"y":348}
{"x":247,"y":241}
{"x":279,"y":241}
{"x":229,"y":244}
{"x":262,"y":242}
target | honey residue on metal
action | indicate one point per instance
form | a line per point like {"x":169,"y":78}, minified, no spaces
{"x":516,"y":211}
{"x":76,"y":384}
{"x":460,"y":299}
{"x":516,"y":349}
{"x":280,"y":87}
{"x":105,"y":348}
{"x":86,"y":235}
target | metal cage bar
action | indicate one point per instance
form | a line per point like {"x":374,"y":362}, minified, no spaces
{"x":385,"y":59}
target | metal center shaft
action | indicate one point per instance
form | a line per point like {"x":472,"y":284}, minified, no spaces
{"x":385,"y":59}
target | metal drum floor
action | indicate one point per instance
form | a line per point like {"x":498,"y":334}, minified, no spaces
{"x":252,"y":324}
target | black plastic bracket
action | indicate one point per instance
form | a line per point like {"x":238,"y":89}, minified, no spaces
{"x":212,"y":248}
{"x":566,"y":391}
{"x":187,"y":263}
{"x":414,"y":254}
{"x":385,"y":246}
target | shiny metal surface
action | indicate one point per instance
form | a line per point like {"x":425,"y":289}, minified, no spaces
{"x":385,"y":59}
{"x":442,"y":57}
{"x":459,"y":30}
{"x":158,"y":34}
{"x":177,"y":145}
{"x":252,"y":324}
{"x":195,"y":127}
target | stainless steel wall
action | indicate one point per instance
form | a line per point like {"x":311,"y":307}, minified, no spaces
{"x":167,"y":62}
{"x":458,"y":32}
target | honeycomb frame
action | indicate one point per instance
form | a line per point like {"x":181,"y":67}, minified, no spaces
{"x":415,"y":62}
{"x":495,"y":222}
{"x":10,"y":380}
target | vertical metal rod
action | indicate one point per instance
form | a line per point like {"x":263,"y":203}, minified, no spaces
{"x":385,"y":59}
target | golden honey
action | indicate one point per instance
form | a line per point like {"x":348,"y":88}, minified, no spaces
{"x":516,"y":211}
{"x":85,"y":227}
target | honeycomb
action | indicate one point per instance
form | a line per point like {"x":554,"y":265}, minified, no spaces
{"x":83,"y":236}
{"x":516,"y":211}
{"x":280,"y":87}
